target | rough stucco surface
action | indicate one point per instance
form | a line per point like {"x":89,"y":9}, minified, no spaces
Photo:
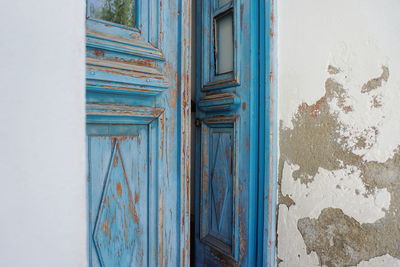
{"x":339,"y":167}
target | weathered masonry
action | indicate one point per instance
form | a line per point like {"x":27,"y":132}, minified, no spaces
{"x":339,"y":158}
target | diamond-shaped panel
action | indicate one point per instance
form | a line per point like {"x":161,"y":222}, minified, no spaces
{"x":117,"y":220}
{"x":220,"y":173}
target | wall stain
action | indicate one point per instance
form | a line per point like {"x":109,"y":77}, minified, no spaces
{"x":333,"y":70}
{"x":376,"y":82}
{"x":314,"y":142}
{"x":361,"y":142}
{"x":376,"y":101}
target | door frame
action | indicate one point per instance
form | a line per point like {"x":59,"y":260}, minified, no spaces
{"x":269,"y":129}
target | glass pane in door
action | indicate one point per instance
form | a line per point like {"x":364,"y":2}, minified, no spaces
{"x":224,"y":2}
{"x":224,"y":43}
{"x":117,"y":11}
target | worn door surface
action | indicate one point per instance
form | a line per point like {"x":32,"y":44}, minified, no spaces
{"x":137,"y":140}
{"x":227,"y":102}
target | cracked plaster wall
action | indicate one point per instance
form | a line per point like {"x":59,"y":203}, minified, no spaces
{"x":339,"y":166}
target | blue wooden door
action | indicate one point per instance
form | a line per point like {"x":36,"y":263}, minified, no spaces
{"x":137,"y":138}
{"x":227,"y":98}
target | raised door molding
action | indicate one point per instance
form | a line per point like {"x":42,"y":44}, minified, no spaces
{"x":219,"y":214}
{"x":125,"y":60}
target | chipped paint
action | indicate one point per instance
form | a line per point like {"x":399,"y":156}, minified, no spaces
{"x":333,"y":70}
{"x":339,"y":167}
{"x":315,"y":144}
{"x":138,"y":82}
{"x":376,"y":82}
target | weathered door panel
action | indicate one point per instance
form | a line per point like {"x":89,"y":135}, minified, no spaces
{"x":122,"y":195}
{"x":219,"y":213}
{"x":227,"y":141}
{"x":136,"y":112}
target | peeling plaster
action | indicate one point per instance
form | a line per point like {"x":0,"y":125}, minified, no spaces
{"x":376,"y":82}
{"x":385,"y":260}
{"x":339,"y":92}
{"x":331,"y":186}
{"x":315,"y":145}
{"x":333,"y":70}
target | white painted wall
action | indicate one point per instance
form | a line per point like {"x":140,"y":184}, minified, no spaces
{"x":42,"y":133}
{"x":359,"y":37}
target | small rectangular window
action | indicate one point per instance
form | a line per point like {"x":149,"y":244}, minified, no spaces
{"x":121,"y":12}
{"x":224,"y":43}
